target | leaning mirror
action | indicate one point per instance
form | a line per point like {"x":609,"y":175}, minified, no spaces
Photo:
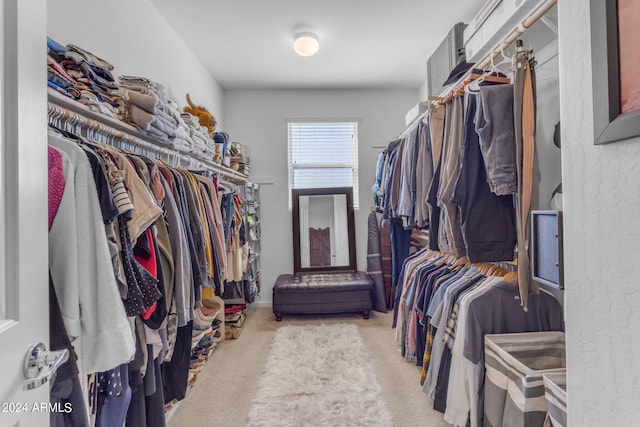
{"x":323,"y":229}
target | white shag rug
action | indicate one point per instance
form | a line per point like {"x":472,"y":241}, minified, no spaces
{"x":318,"y":375}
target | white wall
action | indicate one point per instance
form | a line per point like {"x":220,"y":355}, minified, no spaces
{"x":601,"y":226}
{"x":423,"y":91}
{"x":548,"y":114}
{"x":258,"y":119}
{"x":137,"y":40}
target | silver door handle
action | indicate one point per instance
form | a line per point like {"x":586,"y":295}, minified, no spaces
{"x":40,"y":365}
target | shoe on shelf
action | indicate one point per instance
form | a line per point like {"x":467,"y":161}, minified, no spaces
{"x":205,"y":342}
{"x":206,"y":331}
{"x":196,"y":336}
{"x":201,"y":320}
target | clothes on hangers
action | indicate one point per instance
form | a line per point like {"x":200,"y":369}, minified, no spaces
{"x":454,"y":173}
{"x":487,"y":219}
{"x":424,"y":176}
{"x":450,"y":234}
{"x":443,"y":313}
{"x":150,"y":238}
{"x":82,"y":272}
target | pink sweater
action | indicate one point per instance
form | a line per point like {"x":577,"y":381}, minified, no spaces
{"x":56,"y":183}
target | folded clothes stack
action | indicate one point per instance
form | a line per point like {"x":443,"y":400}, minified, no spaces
{"x":57,"y":76}
{"x":182,"y":141}
{"x":148,"y":108}
{"x":81,"y":75}
{"x":203,"y":145}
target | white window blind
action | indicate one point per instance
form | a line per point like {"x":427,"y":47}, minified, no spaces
{"x":323,"y":154}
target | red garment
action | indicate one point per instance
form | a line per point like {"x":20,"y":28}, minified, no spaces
{"x":149,"y":264}
{"x":232,"y":309}
{"x":56,"y":183}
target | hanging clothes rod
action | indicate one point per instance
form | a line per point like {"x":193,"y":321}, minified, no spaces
{"x":76,"y":119}
{"x":468,"y":77}
{"x":504,"y":44}
{"x":524,"y":26}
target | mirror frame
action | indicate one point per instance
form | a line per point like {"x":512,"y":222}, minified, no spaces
{"x":295,"y":213}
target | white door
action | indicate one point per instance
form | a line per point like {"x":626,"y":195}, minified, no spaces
{"x":23,"y":207}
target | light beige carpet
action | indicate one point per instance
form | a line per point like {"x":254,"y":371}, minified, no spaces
{"x":318,"y":375}
{"x":225,"y":388}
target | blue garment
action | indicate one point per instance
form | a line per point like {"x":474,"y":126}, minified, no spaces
{"x":397,"y":291}
{"x":228,"y":209}
{"x":426,"y":291}
{"x":68,"y":92}
{"x":59,"y":80}
{"x":400,"y":243}
{"x":392,"y":153}
{"x":378,"y":181}
{"x":55,"y":46}
{"x":114,"y":396}
{"x":432,"y":200}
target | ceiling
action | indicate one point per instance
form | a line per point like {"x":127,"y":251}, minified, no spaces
{"x":248,"y":44}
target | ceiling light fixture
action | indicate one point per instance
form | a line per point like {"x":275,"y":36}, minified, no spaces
{"x":306,"y":44}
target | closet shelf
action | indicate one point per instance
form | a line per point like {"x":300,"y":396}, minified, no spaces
{"x":543,"y":6}
{"x":111,"y":124}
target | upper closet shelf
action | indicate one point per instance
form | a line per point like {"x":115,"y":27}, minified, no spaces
{"x":101,"y":124}
{"x":536,"y":10}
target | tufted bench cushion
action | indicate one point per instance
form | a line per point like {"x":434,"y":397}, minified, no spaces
{"x":322,"y":293}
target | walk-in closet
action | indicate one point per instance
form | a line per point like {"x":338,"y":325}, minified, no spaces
{"x":305,"y":213}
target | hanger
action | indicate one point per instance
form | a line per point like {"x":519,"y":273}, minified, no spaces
{"x":485,"y":268}
{"x":498,"y":271}
{"x":92,"y":130}
{"x":461,"y":262}
{"x":225,"y":186}
{"x":511,"y":276}
{"x":505,"y":59}
{"x":106,"y":137}
{"x":491,"y":74}
{"x":451,"y":259}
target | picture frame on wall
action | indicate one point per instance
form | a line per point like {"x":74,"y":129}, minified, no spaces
{"x":615,"y":63}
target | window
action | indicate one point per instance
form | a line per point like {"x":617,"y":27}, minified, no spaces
{"x":323,"y":154}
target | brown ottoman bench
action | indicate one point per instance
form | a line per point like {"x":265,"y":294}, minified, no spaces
{"x":308,"y":293}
